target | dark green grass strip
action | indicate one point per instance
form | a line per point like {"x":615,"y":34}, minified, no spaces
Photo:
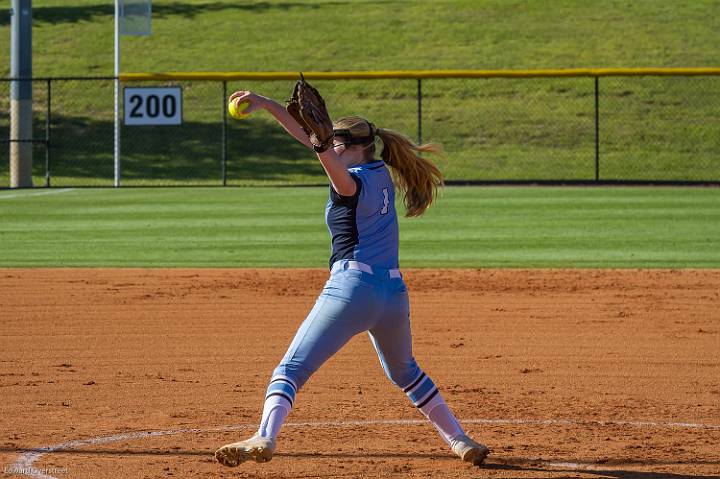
{"x":284,"y":227}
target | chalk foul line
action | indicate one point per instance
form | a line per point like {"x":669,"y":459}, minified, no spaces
{"x":24,"y":465}
{"x":34,"y":193}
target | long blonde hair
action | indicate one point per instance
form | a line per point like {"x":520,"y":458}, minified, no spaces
{"x":417,"y":177}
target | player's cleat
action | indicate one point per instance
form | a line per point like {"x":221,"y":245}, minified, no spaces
{"x":469,"y":450}
{"x":257,"y":448}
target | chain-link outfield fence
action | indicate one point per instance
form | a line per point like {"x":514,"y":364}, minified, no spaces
{"x":537,"y":126}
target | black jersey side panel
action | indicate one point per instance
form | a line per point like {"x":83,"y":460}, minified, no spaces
{"x":341,"y":220}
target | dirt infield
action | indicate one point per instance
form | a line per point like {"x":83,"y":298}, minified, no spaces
{"x":563,"y":373}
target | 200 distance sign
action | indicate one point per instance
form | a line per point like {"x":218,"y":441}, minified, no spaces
{"x":153,"y":106}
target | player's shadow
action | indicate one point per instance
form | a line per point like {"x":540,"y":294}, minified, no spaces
{"x":521,"y":465}
{"x":593,"y":468}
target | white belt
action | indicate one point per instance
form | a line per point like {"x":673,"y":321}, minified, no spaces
{"x":366,"y":268}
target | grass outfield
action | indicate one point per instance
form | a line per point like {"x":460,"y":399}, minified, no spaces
{"x":283,"y":227}
{"x":75,"y":37}
{"x":651,"y":128}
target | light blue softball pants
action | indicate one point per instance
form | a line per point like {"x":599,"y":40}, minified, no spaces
{"x":352,"y":302}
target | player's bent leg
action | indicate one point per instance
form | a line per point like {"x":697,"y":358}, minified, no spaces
{"x":331,"y":323}
{"x":392,"y":340}
{"x":423,"y":393}
{"x":326,"y":329}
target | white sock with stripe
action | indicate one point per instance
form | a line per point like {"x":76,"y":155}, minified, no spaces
{"x":279,"y":399}
{"x":425,"y":396}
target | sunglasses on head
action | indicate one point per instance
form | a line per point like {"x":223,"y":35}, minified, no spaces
{"x":346,"y":139}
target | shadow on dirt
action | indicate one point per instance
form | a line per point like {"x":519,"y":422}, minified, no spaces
{"x":559,"y":468}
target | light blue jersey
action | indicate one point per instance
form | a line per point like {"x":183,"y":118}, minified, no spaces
{"x":365,"y":291}
{"x":364,"y":226}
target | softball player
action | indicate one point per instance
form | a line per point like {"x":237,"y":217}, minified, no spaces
{"x":365,"y":290}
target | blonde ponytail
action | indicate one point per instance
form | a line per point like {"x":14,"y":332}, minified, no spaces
{"x":417,"y":177}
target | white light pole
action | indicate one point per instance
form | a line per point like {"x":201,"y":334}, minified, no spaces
{"x":132,"y":17}
{"x":117,"y":94}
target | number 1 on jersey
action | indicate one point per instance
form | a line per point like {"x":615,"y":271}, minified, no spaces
{"x":386,"y":202}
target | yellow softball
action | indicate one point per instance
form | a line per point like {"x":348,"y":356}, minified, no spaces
{"x":236,"y":108}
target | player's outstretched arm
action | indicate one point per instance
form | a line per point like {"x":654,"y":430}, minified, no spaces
{"x":286,"y":120}
{"x":336,"y":171}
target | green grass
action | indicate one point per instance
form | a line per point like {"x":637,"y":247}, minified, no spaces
{"x":75,"y":37}
{"x":283,"y":227}
{"x":651,"y":128}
